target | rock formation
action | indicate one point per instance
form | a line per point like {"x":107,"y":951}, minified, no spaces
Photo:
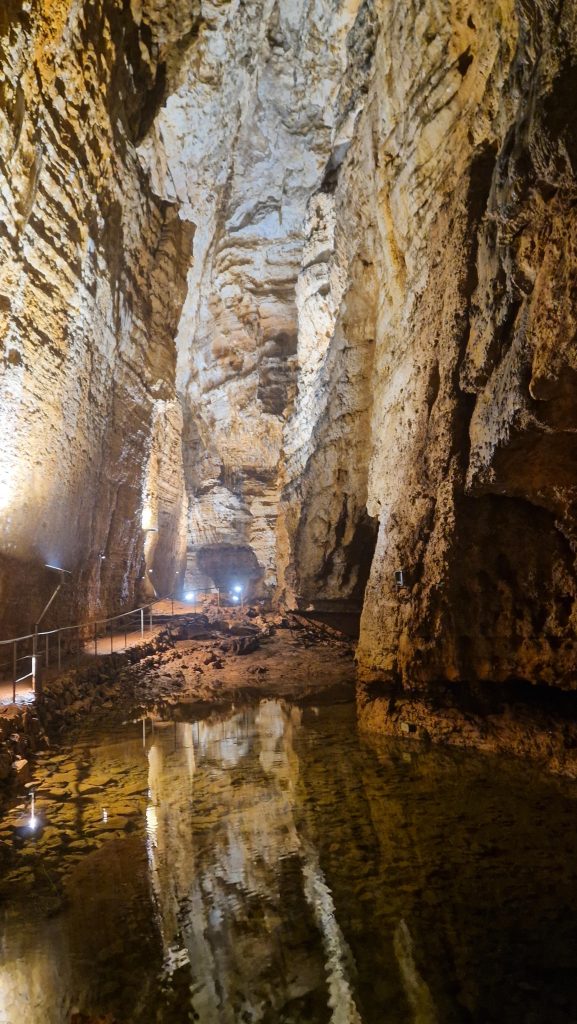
{"x":438,"y":370}
{"x":241,"y":144}
{"x":290,"y":288}
{"x":91,"y":285}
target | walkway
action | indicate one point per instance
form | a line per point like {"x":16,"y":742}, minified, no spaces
{"x":117,"y":641}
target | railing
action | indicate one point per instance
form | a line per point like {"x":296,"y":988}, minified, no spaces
{"x":38,"y":650}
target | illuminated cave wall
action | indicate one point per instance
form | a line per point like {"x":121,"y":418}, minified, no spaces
{"x":241,"y":143}
{"x":92,"y":278}
{"x":292,"y":287}
{"x":437,"y":349}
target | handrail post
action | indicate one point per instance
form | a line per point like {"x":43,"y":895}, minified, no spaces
{"x":34,"y":653}
{"x":14,"y":671}
{"x":111,"y":640}
{"x":142,"y":621}
{"x":96,"y":639}
{"x":59,"y":652}
{"x":151,"y":618}
{"x":38,"y":677}
{"x":47,"y":643}
{"x":77,"y":648}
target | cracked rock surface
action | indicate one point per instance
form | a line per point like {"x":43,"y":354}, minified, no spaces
{"x":436,"y":391}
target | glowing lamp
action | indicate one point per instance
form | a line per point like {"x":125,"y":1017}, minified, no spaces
{"x":33,"y":820}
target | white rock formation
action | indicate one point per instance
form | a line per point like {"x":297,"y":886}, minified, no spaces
{"x":241,"y":143}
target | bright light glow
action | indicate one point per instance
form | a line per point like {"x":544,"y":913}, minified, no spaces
{"x":189,"y":596}
{"x":104,"y":814}
{"x":58,"y":568}
{"x":9,"y":482}
{"x":6,"y":495}
{"x":149,"y":519}
{"x":33,"y":820}
{"x":237,"y":590}
{"x":236,"y":598}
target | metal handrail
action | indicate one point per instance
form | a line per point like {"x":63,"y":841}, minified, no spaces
{"x":84,"y":625}
{"x":102,"y":622}
{"x":92,"y":625}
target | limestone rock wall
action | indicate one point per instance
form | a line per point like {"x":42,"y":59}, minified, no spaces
{"x":287,"y":298}
{"x":326,"y":536}
{"x":92,"y":276}
{"x":241,"y":142}
{"x":437,"y":347}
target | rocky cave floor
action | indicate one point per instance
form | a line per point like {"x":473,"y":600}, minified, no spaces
{"x":226,"y":656}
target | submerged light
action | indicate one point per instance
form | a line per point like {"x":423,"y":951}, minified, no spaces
{"x":33,"y":820}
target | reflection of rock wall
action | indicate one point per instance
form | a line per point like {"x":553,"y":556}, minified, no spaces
{"x":75,"y":911}
{"x":91,"y":284}
{"x":432,"y":857}
{"x":225,"y":866}
{"x":437,"y":349}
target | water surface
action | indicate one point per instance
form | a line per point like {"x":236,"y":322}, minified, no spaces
{"x":267,"y":865}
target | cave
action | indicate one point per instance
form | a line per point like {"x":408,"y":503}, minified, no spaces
{"x":288,"y":529}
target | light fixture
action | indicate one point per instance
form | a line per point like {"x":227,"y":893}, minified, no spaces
{"x":57,"y":568}
{"x":33,"y":820}
{"x":236,"y":598}
{"x":189,"y":596}
{"x":237,"y":589}
{"x":399,"y":578}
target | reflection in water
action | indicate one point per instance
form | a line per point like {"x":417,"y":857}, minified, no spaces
{"x":337,"y":953}
{"x":224,"y":907}
{"x":418,"y":993}
{"x":265,"y":866}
